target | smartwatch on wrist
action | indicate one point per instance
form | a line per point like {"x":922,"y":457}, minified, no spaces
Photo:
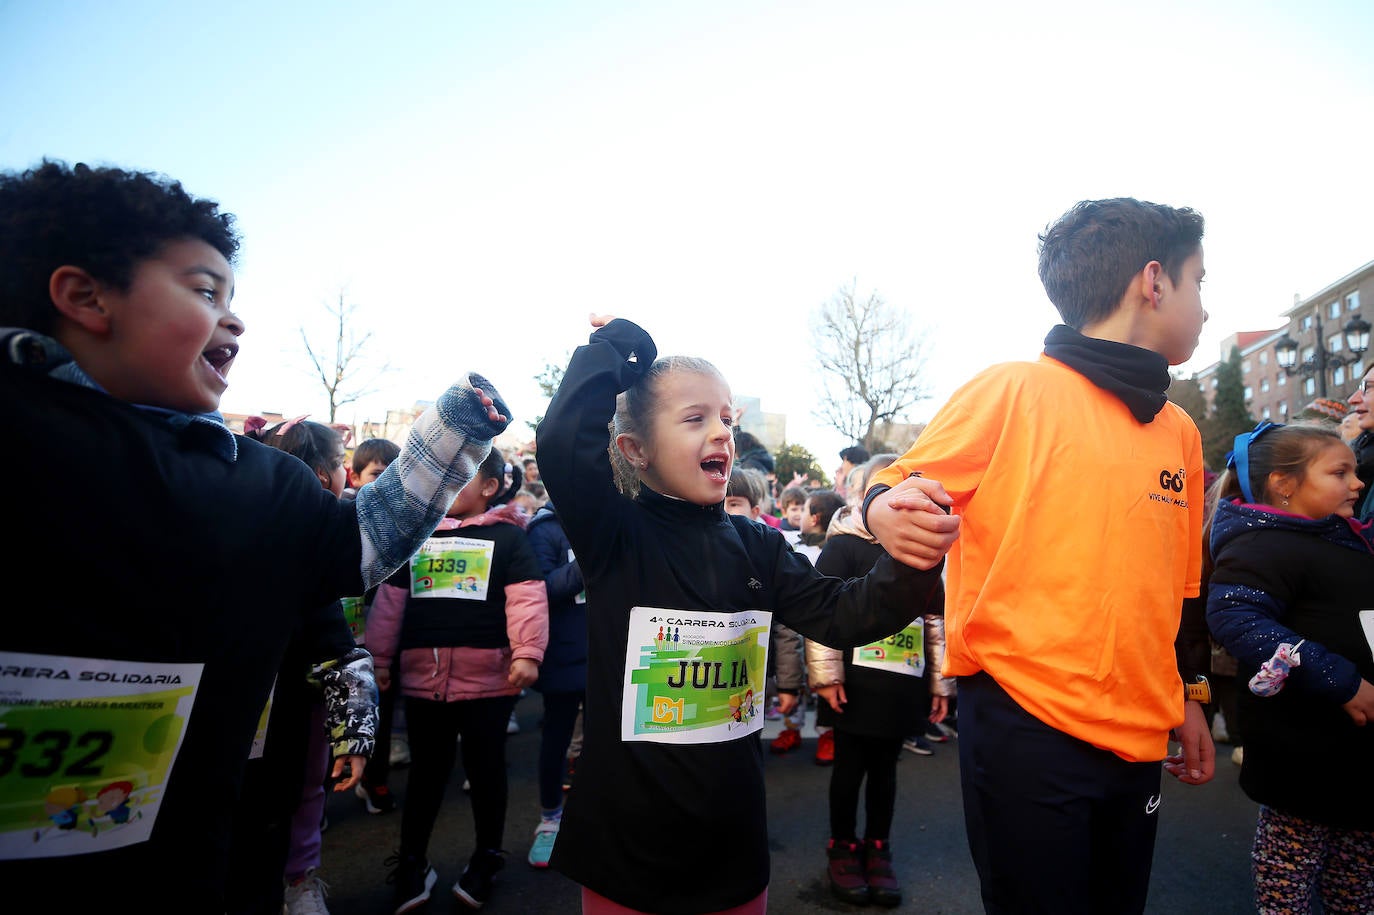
{"x":1198,"y":691}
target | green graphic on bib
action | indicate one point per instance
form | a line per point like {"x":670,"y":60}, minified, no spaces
{"x":353,"y":615}
{"x":452,"y":567}
{"x":694,"y":676}
{"x":900,"y":653}
{"x":86,"y":746}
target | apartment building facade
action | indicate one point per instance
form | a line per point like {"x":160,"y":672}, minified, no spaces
{"x":1322,"y":362}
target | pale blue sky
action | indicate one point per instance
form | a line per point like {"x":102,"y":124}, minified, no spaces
{"x":478,"y":177}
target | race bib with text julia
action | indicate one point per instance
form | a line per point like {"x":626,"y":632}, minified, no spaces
{"x":694,"y":676}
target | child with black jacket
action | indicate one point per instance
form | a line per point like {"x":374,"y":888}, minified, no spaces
{"x":116,"y":339}
{"x":682,"y":595}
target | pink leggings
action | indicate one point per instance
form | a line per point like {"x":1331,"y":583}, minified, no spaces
{"x":596,"y":904}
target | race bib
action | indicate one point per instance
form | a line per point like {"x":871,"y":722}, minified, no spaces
{"x":353,"y":615}
{"x":86,"y":746}
{"x":452,"y":567}
{"x":901,"y":653}
{"x":694,"y":676}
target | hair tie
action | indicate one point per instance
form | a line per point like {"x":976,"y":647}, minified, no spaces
{"x":1239,"y":457}
{"x":290,"y":424}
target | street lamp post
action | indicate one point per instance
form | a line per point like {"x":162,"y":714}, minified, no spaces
{"x":1356,"y":333}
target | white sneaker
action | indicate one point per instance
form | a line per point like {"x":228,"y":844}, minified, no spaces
{"x":1238,"y":755}
{"x":1220,"y":734}
{"x":306,"y":897}
{"x":512,"y":726}
{"x":400,"y":751}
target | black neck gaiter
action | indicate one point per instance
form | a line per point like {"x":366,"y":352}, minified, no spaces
{"x":1139,"y":377}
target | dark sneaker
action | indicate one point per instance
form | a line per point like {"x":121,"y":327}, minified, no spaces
{"x":413,"y":878}
{"x":377,"y":798}
{"x":883,"y":888}
{"x":474,"y":887}
{"x":846,"y":871}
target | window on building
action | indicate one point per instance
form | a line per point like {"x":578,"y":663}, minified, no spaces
{"x":1306,"y":322}
{"x":1249,"y":393}
{"x":1266,"y":413}
{"x":1264,"y":358}
{"x":1214,"y":384}
{"x":1335,"y":342}
{"x":1358,"y":369}
{"x":1338,"y":375}
{"x":1245,"y":367}
{"x":1264,"y":385}
{"x":1283,"y":409}
{"x":1281,"y":378}
{"x":1333,"y":310}
{"x":1352,"y":301}
{"x":1309,"y":386}
{"x":1308,"y":353}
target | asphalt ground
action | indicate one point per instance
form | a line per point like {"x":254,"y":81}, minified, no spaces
{"x":1201,"y":862}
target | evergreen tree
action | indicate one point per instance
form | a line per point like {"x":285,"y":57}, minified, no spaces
{"x":1230,"y":416}
{"x":794,"y":459}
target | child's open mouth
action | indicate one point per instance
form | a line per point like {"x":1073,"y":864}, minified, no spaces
{"x":220,"y":357}
{"x":714,"y":469}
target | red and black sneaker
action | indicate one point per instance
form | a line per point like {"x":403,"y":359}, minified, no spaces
{"x":846,"y":871}
{"x":883,"y":888}
{"x":377,"y":798}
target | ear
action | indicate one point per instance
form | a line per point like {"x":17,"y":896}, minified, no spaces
{"x":324,"y":480}
{"x":1148,"y":282}
{"x":632,"y":449}
{"x":1278,"y":484}
{"x":76,"y":295}
{"x":490,"y":487}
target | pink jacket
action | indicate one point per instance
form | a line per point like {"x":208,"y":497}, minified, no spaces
{"x":451,"y":674}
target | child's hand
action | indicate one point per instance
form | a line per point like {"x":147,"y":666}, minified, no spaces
{"x":787,"y":702}
{"x":1195,"y":764}
{"x":834,"y":695}
{"x":1361,"y":707}
{"x":601,"y":320}
{"x":523,"y":672}
{"x":911,"y":524}
{"x":492,"y":413}
{"x":355,"y":765}
{"x":939,"y":708}
{"x":383,"y":678}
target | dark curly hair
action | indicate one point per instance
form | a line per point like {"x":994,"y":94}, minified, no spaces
{"x":103,"y":220}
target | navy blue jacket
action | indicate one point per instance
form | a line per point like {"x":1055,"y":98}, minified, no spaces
{"x":1282,"y":578}
{"x":565,"y":660}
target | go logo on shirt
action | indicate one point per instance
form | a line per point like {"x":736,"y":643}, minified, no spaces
{"x":1171,"y":481}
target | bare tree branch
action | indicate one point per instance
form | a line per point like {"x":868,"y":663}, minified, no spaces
{"x":871,"y":364}
{"x":339,"y":377}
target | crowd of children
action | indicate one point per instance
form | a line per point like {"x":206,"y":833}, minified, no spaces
{"x":664,"y":595}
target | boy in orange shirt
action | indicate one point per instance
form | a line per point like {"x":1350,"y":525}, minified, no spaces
{"x":1079,"y":489}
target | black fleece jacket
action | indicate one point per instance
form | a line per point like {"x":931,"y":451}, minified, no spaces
{"x":677,"y":828}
